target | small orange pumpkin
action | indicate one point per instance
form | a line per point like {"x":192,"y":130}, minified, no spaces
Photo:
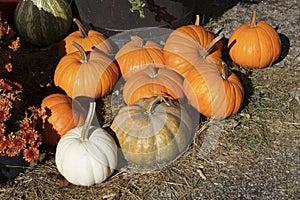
{"x":213,"y":93}
{"x":137,"y":54}
{"x":90,"y":74}
{"x":151,"y":82}
{"x":254,"y":45}
{"x":188,"y":44}
{"x":88,"y":39}
{"x":60,"y":114}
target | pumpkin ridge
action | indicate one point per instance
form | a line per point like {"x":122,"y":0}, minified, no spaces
{"x":102,"y":149}
{"x":268,"y":37}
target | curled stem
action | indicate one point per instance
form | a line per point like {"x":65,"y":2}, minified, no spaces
{"x":82,"y":52}
{"x":88,"y":121}
{"x":83,"y":31}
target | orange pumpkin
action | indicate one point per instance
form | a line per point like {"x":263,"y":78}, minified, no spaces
{"x":137,"y":54}
{"x":213,"y":94}
{"x":189,"y":44}
{"x":151,"y":82}
{"x":254,"y":45}
{"x":90,"y":74}
{"x":60,"y":114}
{"x":88,"y":39}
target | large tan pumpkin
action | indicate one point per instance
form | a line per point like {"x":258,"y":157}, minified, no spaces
{"x":153,"y":132}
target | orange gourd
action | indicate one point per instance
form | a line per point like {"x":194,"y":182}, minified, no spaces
{"x":88,"y":39}
{"x":151,"y":82}
{"x":213,"y":93}
{"x":254,"y":45}
{"x":187,"y":46}
{"x":60,"y":114}
{"x":90,"y":74}
{"x":137,"y":54}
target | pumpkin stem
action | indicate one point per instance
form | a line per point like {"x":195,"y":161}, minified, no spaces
{"x":253,"y":20}
{"x":82,"y":29}
{"x":82,"y":52}
{"x":197,"y":21}
{"x":138,"y":41}
{"x":88,"y":121}
{"x":156,"y":100}
{"x":153,"y":71}
{"x":225,"y":74}
{"x":205,"y":52}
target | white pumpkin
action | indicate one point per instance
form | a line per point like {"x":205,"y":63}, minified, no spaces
{"x":87,"y":154}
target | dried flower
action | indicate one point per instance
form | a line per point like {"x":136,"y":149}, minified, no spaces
{"x":8,"y":44}
{"x":17,"y":127}
{"x":31,"y":154}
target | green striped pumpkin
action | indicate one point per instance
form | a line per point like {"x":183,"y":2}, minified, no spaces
{"x":42,"y":22}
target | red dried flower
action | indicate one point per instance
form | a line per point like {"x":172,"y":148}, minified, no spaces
{"x":31,"y":154}
{"x":5,"y":110}
{"x":19,"y":143}
{"x":8,"y":67}
{"x":5,"y":85}
{"x":35,"y":111}
{"x":2,"y":143}
{"x":2,"y":128}
{"x":11,"y":150}
{"x":15,"y":45}
{"x":18,"y":133}
{"x":25,"y":125}
{"x":8,"y":44}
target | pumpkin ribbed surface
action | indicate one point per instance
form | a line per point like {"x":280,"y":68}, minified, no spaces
{"x":186,"y":45}
{"x":88,"y":39}
{"x":153,"y":137}
{"x":137,"y":54}
{"x":93,"y":76}
{"x":151,"y":82}
{"x":211,"y":94}
{"x":43,"y":22}
{"x":254,"y":45}
{"x":60,"y":114}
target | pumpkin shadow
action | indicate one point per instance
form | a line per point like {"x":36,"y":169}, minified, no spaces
{"x":285,"y":47}
{"x":122,"y":162}
{"x":243,"y":77}
{"x":247,"y":85}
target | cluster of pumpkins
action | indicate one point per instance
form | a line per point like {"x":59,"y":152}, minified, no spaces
{"x":154,"y":128}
